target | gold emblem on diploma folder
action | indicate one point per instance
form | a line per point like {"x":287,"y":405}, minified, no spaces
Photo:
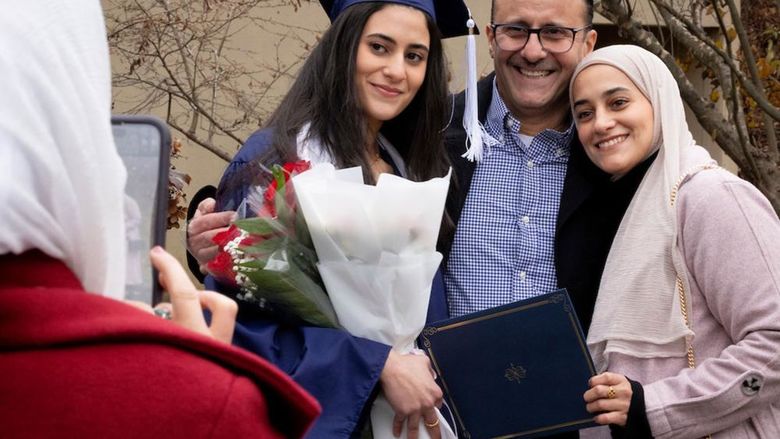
{"x":515,"y":373}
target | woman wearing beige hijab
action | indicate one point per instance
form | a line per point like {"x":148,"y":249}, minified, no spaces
{"x":686,"y":327}
{"x":74,"y":361}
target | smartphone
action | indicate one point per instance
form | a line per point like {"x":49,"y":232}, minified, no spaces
{"x":144,"y":143}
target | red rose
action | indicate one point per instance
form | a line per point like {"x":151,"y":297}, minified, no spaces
{"x":250,"y":240}
{"x":222,"y":238}
{"x":221,"y":267}
{"x":289,"y":170}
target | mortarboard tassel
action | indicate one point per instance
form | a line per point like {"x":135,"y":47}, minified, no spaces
{"x":476,"y":136}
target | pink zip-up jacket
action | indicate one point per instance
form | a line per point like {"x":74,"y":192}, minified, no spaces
{"x":730,"y":239}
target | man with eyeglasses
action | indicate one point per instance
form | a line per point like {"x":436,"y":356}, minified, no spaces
{"x":512,"y":209}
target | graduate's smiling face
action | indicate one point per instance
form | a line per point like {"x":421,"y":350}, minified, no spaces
{"x":391,"y":60}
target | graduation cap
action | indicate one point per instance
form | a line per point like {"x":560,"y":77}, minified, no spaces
{"x":451,"y":16}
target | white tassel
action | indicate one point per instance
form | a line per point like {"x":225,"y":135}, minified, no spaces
{"x":476,"y":136}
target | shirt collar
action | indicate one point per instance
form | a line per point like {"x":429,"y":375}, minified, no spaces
{"x":499,"y":118}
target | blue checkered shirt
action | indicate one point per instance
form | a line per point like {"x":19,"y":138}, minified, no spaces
{"x":504,"y":243}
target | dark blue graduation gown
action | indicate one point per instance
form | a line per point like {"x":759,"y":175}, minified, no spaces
{"x":339,"y":370}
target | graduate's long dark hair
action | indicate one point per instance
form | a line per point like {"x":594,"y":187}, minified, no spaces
{"x":325,"y":95}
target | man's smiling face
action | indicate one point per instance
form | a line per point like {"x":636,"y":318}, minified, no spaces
{"x":532,"y":81}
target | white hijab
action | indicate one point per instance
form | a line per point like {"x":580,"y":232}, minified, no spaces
{"x":61,"y":179}
{"x":638,"y":310}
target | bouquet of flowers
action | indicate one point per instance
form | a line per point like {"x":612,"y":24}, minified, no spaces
{"x":372,"y":248}
{"x":270,"y":257}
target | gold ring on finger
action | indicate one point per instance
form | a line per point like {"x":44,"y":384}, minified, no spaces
{"x":432,"y":424}
{"x":611,"y":393}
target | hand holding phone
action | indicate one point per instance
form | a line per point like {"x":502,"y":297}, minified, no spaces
{"x":187,"y":302}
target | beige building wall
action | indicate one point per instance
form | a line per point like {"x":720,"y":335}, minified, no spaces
{"x":279,"y":44}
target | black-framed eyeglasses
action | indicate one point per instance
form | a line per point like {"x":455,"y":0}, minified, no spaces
{"x":554,"y":39}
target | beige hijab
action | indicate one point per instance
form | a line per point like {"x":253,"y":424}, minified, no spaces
{"x":61,"y":179}
{"x":638,"y":309}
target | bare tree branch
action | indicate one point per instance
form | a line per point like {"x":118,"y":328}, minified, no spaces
{"x":210,"y":147}
{"x":750,"y":61}
{"x":737,"y":77}
{"x":727,"y":81}
{"x":182,"y":56}
{"x":701,"y":38}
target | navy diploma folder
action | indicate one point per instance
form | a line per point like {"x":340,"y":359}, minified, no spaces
{"x":517,"y":370}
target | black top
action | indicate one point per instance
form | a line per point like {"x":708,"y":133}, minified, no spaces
{"x":582,"y":246}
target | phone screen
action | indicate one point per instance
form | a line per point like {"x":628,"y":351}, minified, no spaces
{"x":144,"y":144}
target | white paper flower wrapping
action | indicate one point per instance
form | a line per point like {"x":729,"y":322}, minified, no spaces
{"x":376,"y":247}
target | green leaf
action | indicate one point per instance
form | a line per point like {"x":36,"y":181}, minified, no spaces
{"x":278,"y":172}
{"x":260,"y":226}
{"x":265,"y":247}
{"x":295,"y":293}
{"x":284,"y":213}
{"x":247,"y":267}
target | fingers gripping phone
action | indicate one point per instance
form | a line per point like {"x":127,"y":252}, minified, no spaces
{"x":144,"y":144}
